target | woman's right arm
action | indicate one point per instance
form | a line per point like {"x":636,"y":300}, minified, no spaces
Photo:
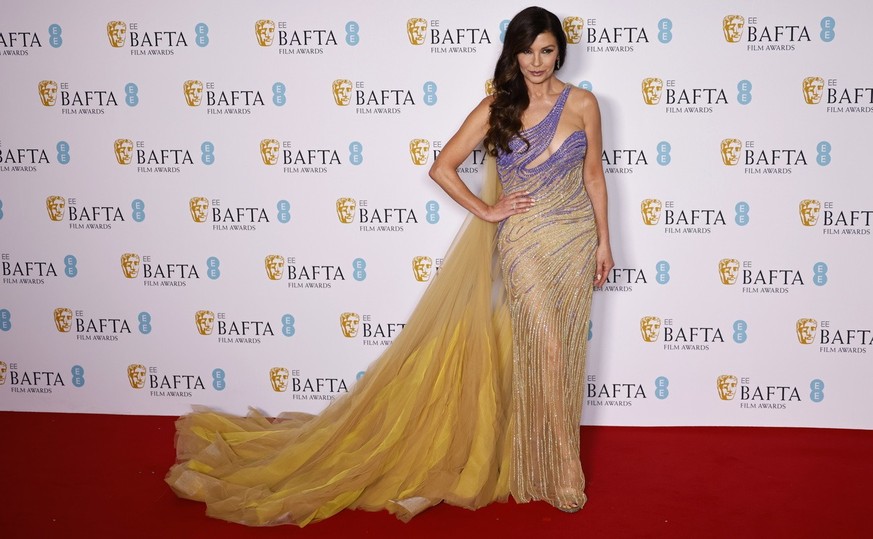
{"x":444,"y":170}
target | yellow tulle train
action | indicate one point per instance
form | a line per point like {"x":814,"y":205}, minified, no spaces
{"x":430,"y":421}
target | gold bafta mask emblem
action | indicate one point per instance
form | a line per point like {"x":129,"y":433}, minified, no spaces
{"x":274,"y":264}
{"x":489,"y":87}
{"x":264,"y":30}
{"x":805,"y":328}
{"x":136,"y":375}
{"x":116,"y":31}
{"x":727,"y":386}
{"x":48,"y":92}
{"x":345,"y":209}
{"x":418,"y":150}
{"x":651,"y":210}
{"x":63,"y":319}
{"x":270,"y":151}
{"x":421,"y":268}
{"x":279,"y":379}
{"x":193,"y":90}
{"x":573,"y":29}
{"x":650,"y":326}
{"x":349,"y":324}
{"x":198,"y":206}
{"x":204,"y":320}
{"x":728,"y":269}
{"x":3,"y":368}
{"x":415,"y":30}
{"x":732,"y":26}
{"x":652,"y":87}
{"x":342,"y":92}
{"x":54,"y":204}
{"x":809,"y":210}
{"x":130,"y":265}
{"x":123,"y":151}
{"x":730,"y":151}
{"x":813,"y":88}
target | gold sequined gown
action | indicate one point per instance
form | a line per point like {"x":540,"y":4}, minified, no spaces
{"x":547,"y":262}
{"x":432,"y":419}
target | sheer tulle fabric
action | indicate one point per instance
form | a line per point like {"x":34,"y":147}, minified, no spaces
{"x":430,"y":421}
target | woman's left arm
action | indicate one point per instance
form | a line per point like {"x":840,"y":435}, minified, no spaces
{"x":595,"y":185}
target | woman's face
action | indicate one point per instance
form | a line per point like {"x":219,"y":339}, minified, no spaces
{"x":537,"y":63}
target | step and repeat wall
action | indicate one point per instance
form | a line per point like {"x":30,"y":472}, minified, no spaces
{"x":229,"y":205}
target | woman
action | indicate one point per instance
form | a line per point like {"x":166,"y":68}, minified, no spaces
{"x":432,"y":418}
{"x":552,"y":238}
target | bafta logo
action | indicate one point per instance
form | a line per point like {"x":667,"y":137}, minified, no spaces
{"x":54,"y":204}
{"x":63,"y":319}
{"x":732,"y":26}
{"x":3,"y":368}
{"x":204,"y":321}
{"x":274,"y":264}
{"x":652,"y":87}
{"x":573,"y":29}
{"x":123,"y":151}
{"x":813,"y":88}
{"x":136,"y":375}
{"x":489,"y":87}
{"x":728,"y":269}
{"x":264,"y":30}
{"x":809,"y":210}
{"x":270,"y":151}
{"x":418,"y":150}
{"x":279,"y":379}
{"x":415,"y":30}
{"x":342,"y":92}
{"x":130,"y":265}
{"x":421,"y":268}
{"x":48,"y":92}
{"x":345,"y":209}
{"x":805,"y":328}
{"x":116,"y":31}
{"x":730,"y":151}
{"x":193,"y":90}
{"x":650,"y":327}
{"x":198,"y":206}
{"x":349,"y":323}
{"x":727,"y":386}
{"x":651,"y":211}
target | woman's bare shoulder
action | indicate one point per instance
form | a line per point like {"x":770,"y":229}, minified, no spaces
{"x":486,"y":103}
{"x":583,"y":106}
{"x":581,"y":98}
{"x":482,"y":111}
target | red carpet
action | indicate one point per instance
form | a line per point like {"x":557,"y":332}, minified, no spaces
{"x":74,"y":475}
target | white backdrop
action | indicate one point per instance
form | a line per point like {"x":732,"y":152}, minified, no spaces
{"x":198,"y":218}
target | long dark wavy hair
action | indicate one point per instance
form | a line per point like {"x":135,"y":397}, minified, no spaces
{"x":510,"y":92}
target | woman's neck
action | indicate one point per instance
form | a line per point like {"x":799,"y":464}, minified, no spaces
{"x":548,"y":87}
